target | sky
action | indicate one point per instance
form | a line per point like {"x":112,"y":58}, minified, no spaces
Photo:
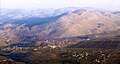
{"x":34,"y":4}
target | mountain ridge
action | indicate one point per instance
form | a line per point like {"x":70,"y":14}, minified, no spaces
{"x":71,"y":24}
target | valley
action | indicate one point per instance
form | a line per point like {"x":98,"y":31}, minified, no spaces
{"x":98,"y":51}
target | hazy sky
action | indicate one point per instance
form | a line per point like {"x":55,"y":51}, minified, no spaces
{"x":30,"y":4}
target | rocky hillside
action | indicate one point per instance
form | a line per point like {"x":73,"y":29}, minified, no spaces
{"x":82,"y":22}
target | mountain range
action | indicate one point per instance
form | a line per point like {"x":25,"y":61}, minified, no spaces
{"x":33,"y":25}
